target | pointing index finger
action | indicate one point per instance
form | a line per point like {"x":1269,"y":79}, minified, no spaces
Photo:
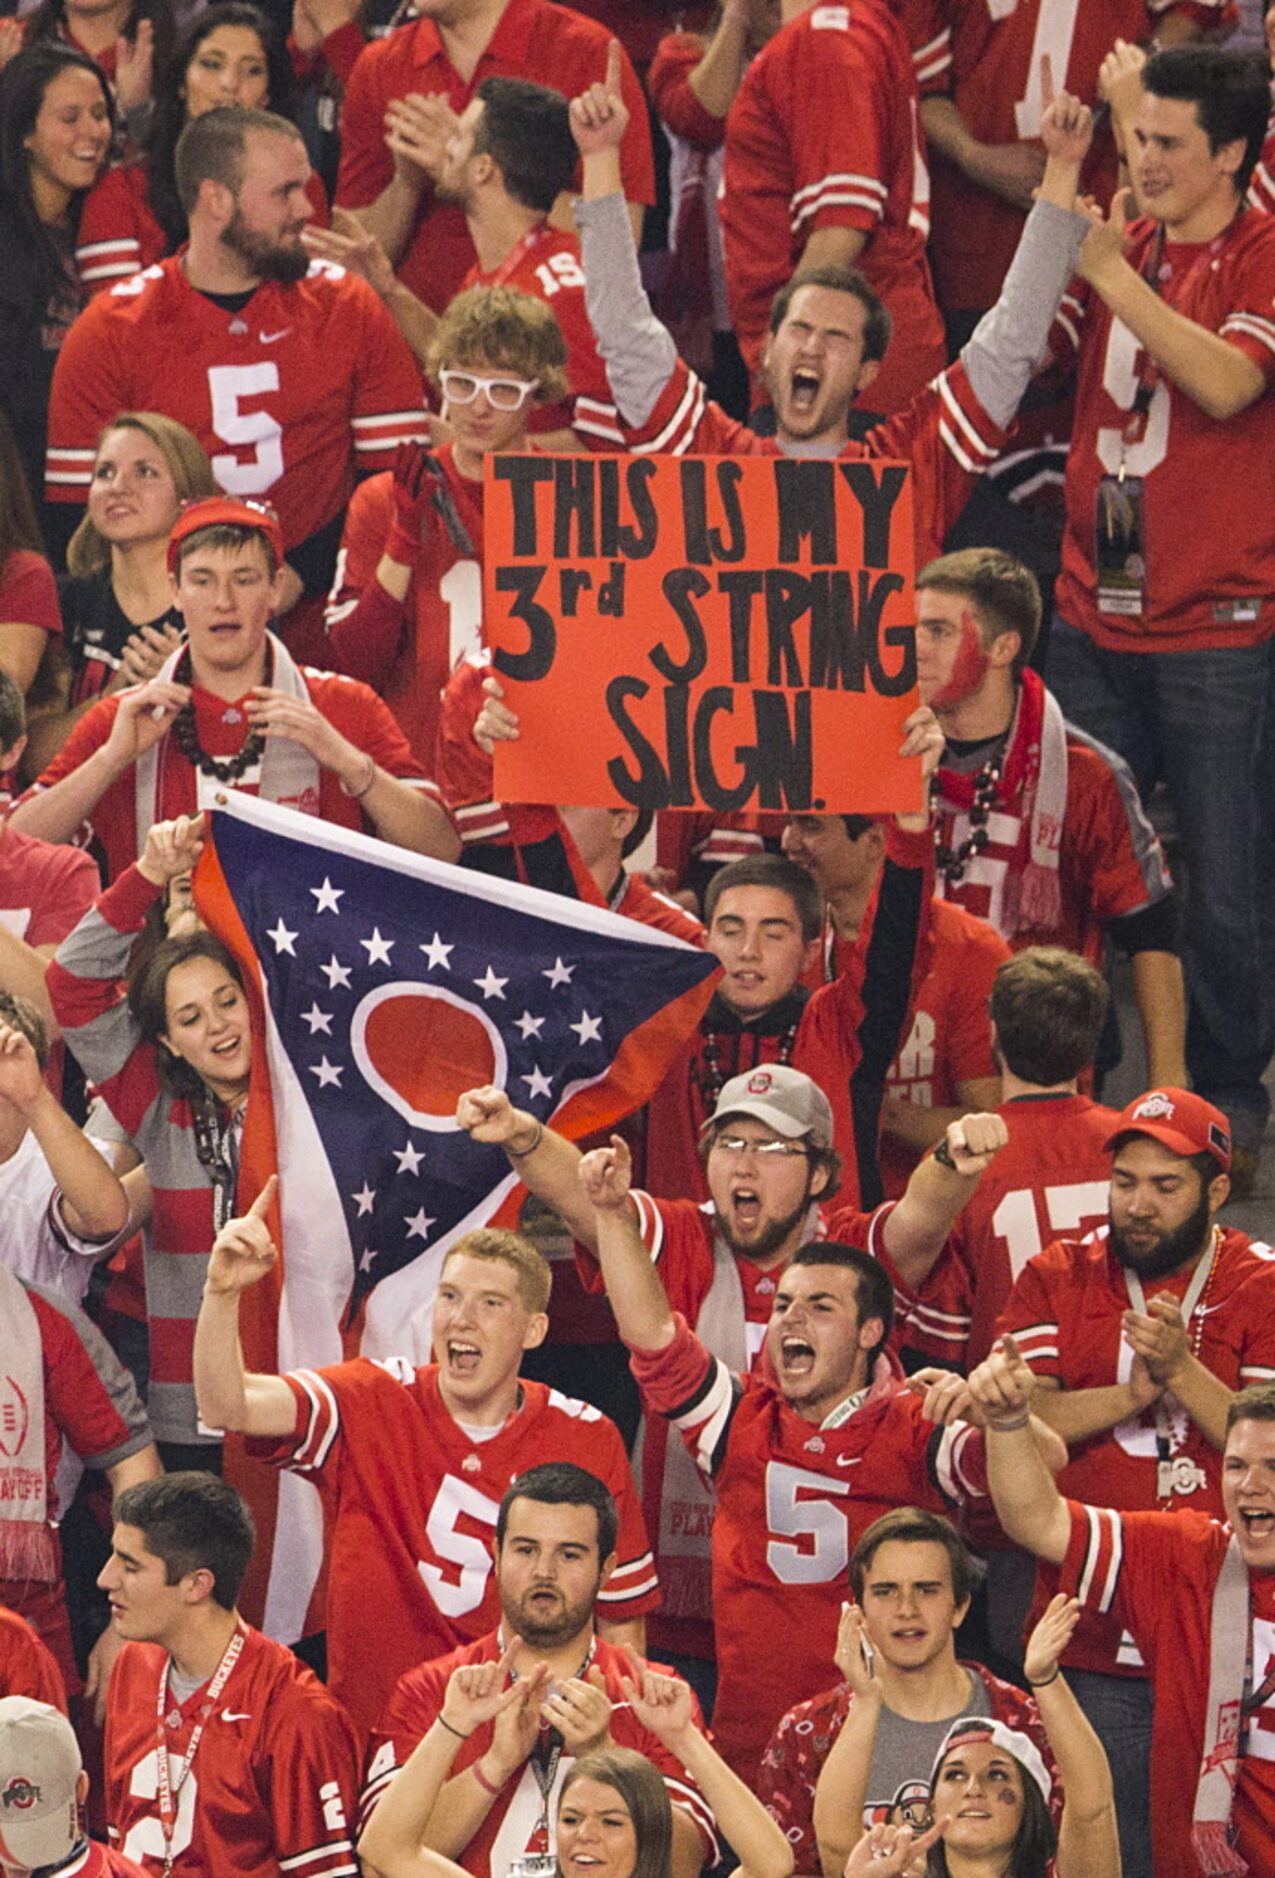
{"x":1046,"y":79}
{"x":615,"y":71}
{"x":265,"y":1199}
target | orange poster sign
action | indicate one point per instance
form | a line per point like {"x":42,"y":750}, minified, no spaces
{"x":703,"y":632}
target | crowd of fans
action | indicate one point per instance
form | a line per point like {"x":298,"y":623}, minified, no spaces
{"x":864,"y":1460}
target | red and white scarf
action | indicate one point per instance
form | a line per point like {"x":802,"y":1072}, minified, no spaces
{"x":1229,"y":1630}
{"x":1033,"y":787}
{"x":28,"y":1550}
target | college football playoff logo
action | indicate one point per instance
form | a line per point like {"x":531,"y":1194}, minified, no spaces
{"x":13,"y":1417}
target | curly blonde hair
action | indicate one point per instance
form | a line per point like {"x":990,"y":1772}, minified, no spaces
{"x":502,"y":330}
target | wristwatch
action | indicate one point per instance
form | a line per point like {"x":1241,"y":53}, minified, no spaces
{"x":943,"y":1155}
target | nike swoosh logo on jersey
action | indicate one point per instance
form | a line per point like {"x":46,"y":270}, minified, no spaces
{"x":268,"y":339}
{"x":849,"y":1460}
{"x":228,"y":1714}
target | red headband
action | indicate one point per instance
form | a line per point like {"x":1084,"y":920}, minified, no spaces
{"x":225,"y":512}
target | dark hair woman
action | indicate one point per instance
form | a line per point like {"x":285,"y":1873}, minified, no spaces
{"x":56,"y":123}
{"x":229,"y":54}
{"x":171,"y":1059}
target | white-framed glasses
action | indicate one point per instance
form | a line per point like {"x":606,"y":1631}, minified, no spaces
{"x":736,"y":1145}
{"x":503,"y":394}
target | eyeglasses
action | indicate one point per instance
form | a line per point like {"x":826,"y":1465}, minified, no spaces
{"x":503,"y":394}
{"x":736,"y":1145}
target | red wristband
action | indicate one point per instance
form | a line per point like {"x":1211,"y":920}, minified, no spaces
{"x":476,"y":1769}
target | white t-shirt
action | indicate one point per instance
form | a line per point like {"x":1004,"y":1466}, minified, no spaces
{"x":35,"y":1240}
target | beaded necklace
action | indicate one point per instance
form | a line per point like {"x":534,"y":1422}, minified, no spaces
{"x":185,"y":734}
{"x":952,"y":862}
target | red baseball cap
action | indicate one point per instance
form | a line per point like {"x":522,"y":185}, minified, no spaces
{"x":1182,"y":1122}
{"x":225,"y":512}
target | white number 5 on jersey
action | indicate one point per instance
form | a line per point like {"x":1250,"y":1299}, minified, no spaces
{"x":455,"y":1597}
{"x":230,"y":385}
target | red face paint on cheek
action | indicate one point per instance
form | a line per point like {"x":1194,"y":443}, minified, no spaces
{"x":969,"y":668}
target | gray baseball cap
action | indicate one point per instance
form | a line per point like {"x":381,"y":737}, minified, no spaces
{"x":785,"y":1099}
{"x":39,"y":1770}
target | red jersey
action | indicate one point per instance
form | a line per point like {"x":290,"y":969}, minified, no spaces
{"x":27,"y":1666}
{"x":411,"y":1500}
{"x":1209,"y":585}
{"x":534,"y":39}
{"x":100,"y":1861}
{"x":676,"y":105}
{"x":546,"y":264}
{"x":1156,"y":1573}
{"x":274,"y":1781}
{"x":1051,"y":1178}
{"x":1261,"y":188}
{"x":986,"y":57}
{"x":727,"y":1301}
{"x":28,"y":592}
{"x":792,"y":1502}
{"x":843,"y":1038}
{"x":1110,"y":861}
{"x":511,"y":1828}
{"x":46,"y":887}
{"x":793,"y":1761}
{"x":950,"y":1041}
{"x":945,"y":436}
{"x":407,"y":649}
{"x":1065,"y":1310}
{"x":181,"y":789}
{"x":119,"y":233}
{"x":292,"y":395}
{"x":825,"y":133}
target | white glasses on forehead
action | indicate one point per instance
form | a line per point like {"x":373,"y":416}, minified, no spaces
{"x":736,"y":1145}
{"x":503,"y":394}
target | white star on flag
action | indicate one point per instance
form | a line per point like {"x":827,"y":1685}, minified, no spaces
{"x":538,"y":1084}
{"x":365,"y":1263}
{"x":490,"y":985}
{"x":336,"y":973}
{"x":589,"y":1029}
{"x":419,"y":1224}
{"x":327,"y":896}
{"x":558,"y":973}
{"x":528,"y":1025}
{"x":282,"y":938}
{"x":409,"y":1159}
{"x":329,"y":1074}
{"x":378,"y":950}
{"x":364,"y":1199}
{"x":317,"y":1020}
{"x":438,"y":954}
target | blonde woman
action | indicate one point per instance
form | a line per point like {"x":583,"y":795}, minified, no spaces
{"x":119,"y":622}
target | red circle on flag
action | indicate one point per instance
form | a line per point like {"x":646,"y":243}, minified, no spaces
{"x":429,"y":1050}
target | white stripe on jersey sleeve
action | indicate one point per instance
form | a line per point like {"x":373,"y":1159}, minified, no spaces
{"x":1105,"y":1529}
{"x":323,"y":1426}
{"x":334,"y":1848}
{"x":710,"y":1416}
